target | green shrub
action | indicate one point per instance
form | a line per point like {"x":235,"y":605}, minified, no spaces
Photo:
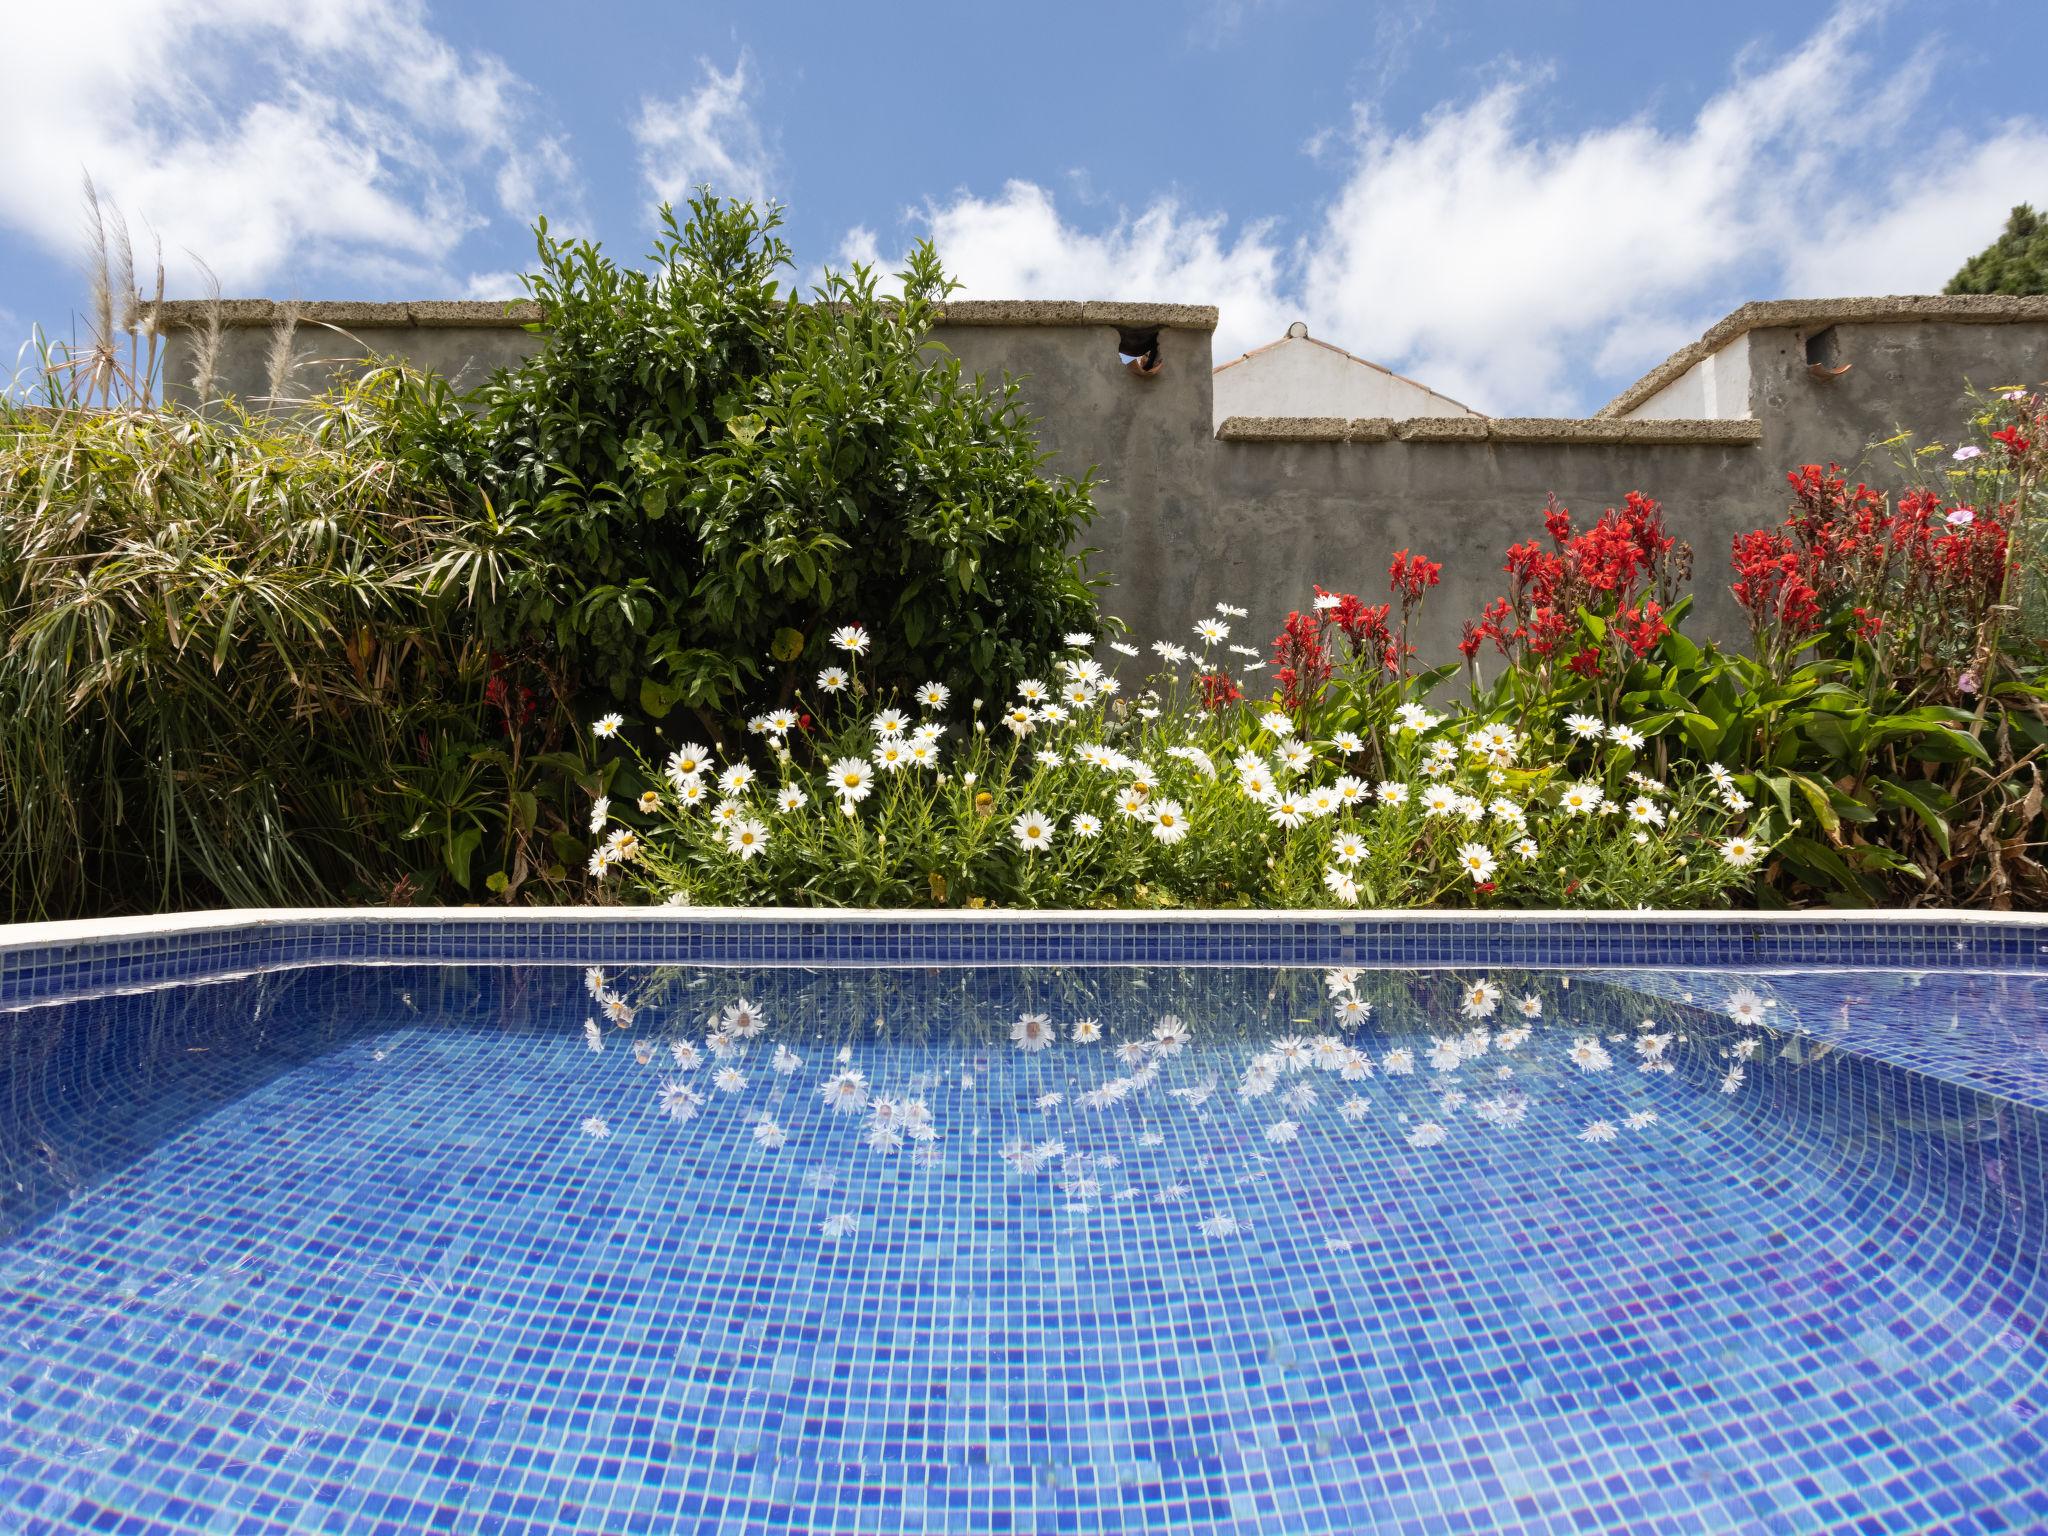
{"x":237,"y":669}
{"x":714,"y":477}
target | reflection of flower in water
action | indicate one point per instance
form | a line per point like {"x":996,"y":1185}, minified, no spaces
{"x":592,"y":1035}
{"x":1480,"y":999}
{"x":1427,"y":1134}
{"x":1086,"y":1032}
{"x":1355,"y":1108}
{"x":1732,"y":1080}
{"x":845,"y":1091}
{"x":1292,"y":1053}
{"x":785,"y":1061}
{"x":1506,"y":1109}
{"x":595,"y":1125}
{"x":730,"y":1079}
{"x":743,"y":1019}
{"x":686,"y":1055}
{"x":1222,"y":1224}
{"x":768,"y":1134}
{"x":1640,"y":1118}
{"x":1444,"y":1055}
{"x":1399,"y":1062}
{"x":1598,"y":1130}
{"x":840,"y":1225}
{"x":1049,"y":1101}
{"x":1032,"y":1032}
{"x":1280,"y":1132}
{"x":1745,"y":1007}
{"x":680,"y":1102}
{"x":1589,"y":1055}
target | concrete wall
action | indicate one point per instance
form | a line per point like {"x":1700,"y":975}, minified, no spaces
{"x":1300,"y":376}
{"x":1255,"y":510}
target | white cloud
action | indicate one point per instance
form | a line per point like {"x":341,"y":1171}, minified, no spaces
{"x":1017,"y":246}
{"x":275,"y":142}
{"x":705,"y":135}
{"x":1527,"y":270}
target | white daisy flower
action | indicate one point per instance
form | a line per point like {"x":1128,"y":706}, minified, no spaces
{"x":851,"y":779}
{"x":1598,"y":1130}
{"x":607,"y":725}
{"x":1477,"y":860}
{"x":1427,"y":1134}
{"x":1169,"y":821}
{"x":850,"y":638}
{"x":1032,"y":831}
{"x":735,"y":779}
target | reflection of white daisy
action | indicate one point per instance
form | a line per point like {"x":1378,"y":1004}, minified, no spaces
{"x":841,"y":1225}
{"x":1352,"y":1011}
{"x":1479,"y":1000}
{"x":1221,"y":1224}
{"x":846,"y":1090}
{"x":729,"y":1079}
{"x":1399,"y":1062}
{"x":1745,"y":1007}
{"x":1427,"y":1134}
{"x":679,"y":1101}
{"x":1589,"y":1055}
{"x":1032,"y":1032}
{"x":686,"y":1054}
{"x":1640,"y":1118}
{"x":1355,"y":1108}
{"x":1086,"y":1032}
{"x":1169,"y":1035}
{"x":596,"y":1127}
{"x":1444,"y":1055}
{"x":785,"y":1061}
{"x":1280,"y":1132}
{"x":1293,"y":1053}
{"x":1731,"y":1079}
{"x":592,"y":1035}
{"x":1598,"y":1130}
{"x":768,"y":1134}
{"x":1531,"y":1007}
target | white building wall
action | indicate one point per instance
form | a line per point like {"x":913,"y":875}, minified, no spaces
{"x":1716,"y":388}
{"x":1301,"y":377}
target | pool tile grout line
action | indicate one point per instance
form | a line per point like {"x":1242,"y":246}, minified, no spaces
{"x":41,"y":963}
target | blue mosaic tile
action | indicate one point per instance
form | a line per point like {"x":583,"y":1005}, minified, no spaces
{"x":420,"y":1246}
{"x":33,"y":970}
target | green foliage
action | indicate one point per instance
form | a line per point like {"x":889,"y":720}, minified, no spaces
{"x":2016,"y":262}
{"x":1164,"y":802}
{"x":226,"y":676}
{"x":713,"y":476}
{"x":1891,"y":733}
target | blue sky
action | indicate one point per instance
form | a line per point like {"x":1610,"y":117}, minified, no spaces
{"x":1525,"y":204}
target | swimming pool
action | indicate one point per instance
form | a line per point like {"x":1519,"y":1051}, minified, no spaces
{"x":1233,"y":1226}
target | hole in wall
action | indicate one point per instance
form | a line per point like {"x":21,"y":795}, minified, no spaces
{"x":1824,"y":354}
{"x":1138,"y":350}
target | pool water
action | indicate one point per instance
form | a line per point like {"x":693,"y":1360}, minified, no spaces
{"x":386,"y":1249}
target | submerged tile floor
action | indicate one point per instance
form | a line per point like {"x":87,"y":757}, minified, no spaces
{"x":398,"y":1250}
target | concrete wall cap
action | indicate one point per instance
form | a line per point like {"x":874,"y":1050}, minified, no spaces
{"x":1582,"y":429}
{"x":190,"y":314}
{"x":1284,"y":429}
{"x":1503,"y":429}
{"x":1441,"y":429}
{"x":1808,"y":314}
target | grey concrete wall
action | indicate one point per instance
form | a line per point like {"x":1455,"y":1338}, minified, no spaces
{"x":1255,"y":512}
